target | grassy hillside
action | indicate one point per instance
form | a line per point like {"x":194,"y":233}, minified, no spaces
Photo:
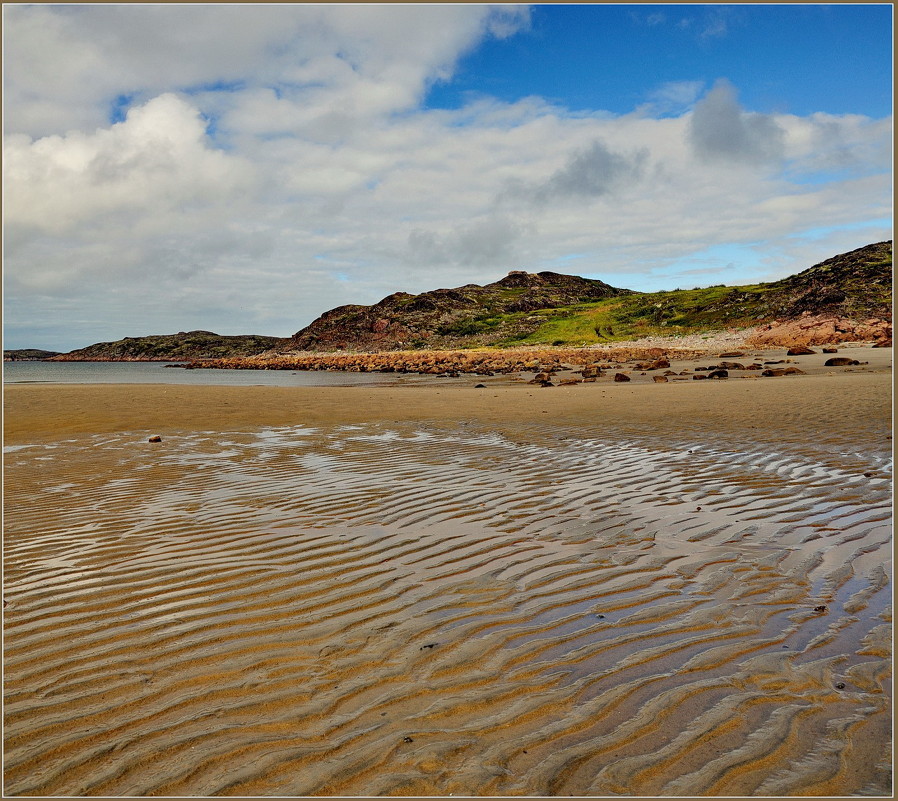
{"x":854,"y":285}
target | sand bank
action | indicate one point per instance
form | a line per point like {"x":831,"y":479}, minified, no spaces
{"x":602,"y":589}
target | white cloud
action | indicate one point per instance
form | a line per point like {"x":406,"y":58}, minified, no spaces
{"x":315,"y":179}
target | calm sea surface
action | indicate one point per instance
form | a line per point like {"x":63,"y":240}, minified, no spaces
{"x":158,"y":373}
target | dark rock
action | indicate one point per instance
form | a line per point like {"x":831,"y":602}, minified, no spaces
{"x":479,"y":386}
{"x":699,"y":377}
{"x":730,"y":366}
{"x":659,"y":379}
{"x":621,"y":377}
{"x":830,"y":350}
{"x":780,"y":361}
{"x":840,"y":361}
{"x":155,"y":438}
{"x":718,"y":374}
{"x":819,"y":608}
{"x":734,"y":355}
{"x":800,"y":350}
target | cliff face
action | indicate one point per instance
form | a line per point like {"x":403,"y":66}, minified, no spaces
{"x":446,"y":318}
{"x":183,"y":346}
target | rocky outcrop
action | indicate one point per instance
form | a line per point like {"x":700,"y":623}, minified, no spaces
{"x":28,"y":355}
{"x":447,"y":318}
{"x":183,"y":346}
{"x":819,"y":329}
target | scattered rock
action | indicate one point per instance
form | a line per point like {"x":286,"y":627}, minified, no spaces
{"x":718,"y":374}
{"x":429,"y":645}
{"x":840,"y":361}
{"x":840,"y":685}
{"x":734,"y":355}
{"x":407,"y":740}
{"x":699,"y":377}
{"x":659,"y":379}
{"x":567,"y":382}
{"x":800,"y":350}
{"x":834,"y":350}
{"x":155,"y":438}
{"x":479,"y":386}
{"x":730,"y":366}
{"x":819,"y":608}
{"x":621,"y":377}
{"x":780,"y":361}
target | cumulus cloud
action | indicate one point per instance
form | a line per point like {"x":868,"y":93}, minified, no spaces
{"x":157,"y":158}
{"x":281,"y":164}
{"x":720,"y":129}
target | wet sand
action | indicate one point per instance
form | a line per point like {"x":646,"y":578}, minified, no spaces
{"x":603,"y":589}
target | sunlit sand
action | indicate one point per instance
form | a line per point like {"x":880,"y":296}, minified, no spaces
{"x":601,"y":589}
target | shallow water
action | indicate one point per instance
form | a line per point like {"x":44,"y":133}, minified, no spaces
{"x":158,"y":373}
{"x":394,"y":609}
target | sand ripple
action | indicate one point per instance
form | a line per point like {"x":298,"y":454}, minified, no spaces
{"x":377,"y":609}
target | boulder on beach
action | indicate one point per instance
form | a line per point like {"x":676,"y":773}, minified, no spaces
{"x":840,"y":361}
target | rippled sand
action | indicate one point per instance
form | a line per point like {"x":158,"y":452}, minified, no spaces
{"x":495,"y":603}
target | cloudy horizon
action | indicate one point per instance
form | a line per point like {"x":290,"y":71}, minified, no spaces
{"x":243,"y":169}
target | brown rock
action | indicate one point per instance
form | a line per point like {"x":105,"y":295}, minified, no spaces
{"x":621,"y":377}
{"x":800,"y":350}
{"x":155,"y":438}
{"x":734,"y":355}
{"x":699,"y":377}
{"x":883,"y":343}
{"x":718,"y":374}
{"x":833,"y":350}
{"x":840,"y":361}
{"x":659,"y":379}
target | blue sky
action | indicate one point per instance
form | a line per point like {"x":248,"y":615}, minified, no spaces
{"x":784,"y":58}
{"x":244,"y":168}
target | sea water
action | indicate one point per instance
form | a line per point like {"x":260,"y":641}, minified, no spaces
{"x":42,"y":372}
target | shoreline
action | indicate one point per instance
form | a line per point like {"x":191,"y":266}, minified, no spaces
{"x":41,"y":412}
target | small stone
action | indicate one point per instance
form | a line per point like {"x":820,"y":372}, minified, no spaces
{"x":407,"y":740}
{"x":479,"y":386}
{"x":155,"y":438}
{"x":659,"y":379}
{"x":840,"y":361}
{"x":621,"y":377}
{"x":800,"y":350}
{"x":840,"y":685}
{"x":830,"y":350}
{"x":819,"y":608}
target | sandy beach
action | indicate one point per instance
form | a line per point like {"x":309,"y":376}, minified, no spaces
{"x":609,"y":588}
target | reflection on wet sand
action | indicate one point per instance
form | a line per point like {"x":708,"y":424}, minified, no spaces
{"x":402,"y":608}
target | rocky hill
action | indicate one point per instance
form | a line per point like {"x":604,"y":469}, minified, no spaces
{"x":847,"y":297}
{"x":183,"y":346}
{"x":28,"y":355}
{"x":447,"y":318}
